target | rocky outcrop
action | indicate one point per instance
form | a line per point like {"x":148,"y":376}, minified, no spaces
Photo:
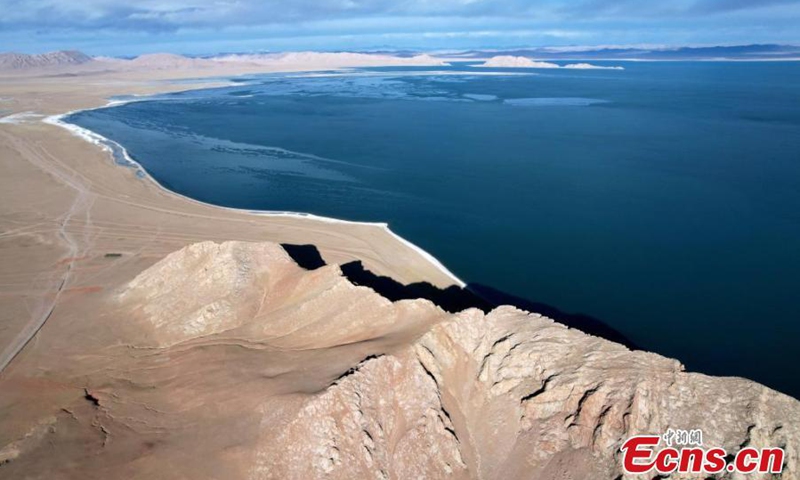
{"x":385,"y":419}
{"x":529,"y":396}
{"x":257,"y":293}
{"x":205,"y":288}
{"x":231,"y":361}
{"x":522,"y":397}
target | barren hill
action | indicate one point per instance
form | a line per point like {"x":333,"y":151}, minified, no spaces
{"x":231,"y":361}
{"x":16,"y":61}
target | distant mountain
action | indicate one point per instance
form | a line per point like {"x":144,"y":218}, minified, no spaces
{"x":18,"y":61}
{"x":330,"y":59}
{"x":738,"y":52}
{"x":524,"y":56}
{"x":166,"y":61}
{"x":79,"y":63}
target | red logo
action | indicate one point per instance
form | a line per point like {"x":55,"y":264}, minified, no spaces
{"x":640,"y":454}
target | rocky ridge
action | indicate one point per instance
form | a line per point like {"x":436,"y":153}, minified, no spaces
{"x":14,"y":61}
{"x":229,"y":360}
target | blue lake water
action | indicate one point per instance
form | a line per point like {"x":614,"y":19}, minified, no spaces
{"x":663,"y":199}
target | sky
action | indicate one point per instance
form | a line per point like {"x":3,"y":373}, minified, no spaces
{"x":106,"y":27}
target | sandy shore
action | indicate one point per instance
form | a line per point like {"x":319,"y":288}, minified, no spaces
{"x":67,"y":211}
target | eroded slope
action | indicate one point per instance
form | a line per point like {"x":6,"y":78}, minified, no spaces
{"x":229,"y":360}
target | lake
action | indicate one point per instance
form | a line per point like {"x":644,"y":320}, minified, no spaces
{"x":662,"y":199}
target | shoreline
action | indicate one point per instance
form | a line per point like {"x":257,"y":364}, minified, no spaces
{"x":96,"y":228}
{"x":103,"y":143}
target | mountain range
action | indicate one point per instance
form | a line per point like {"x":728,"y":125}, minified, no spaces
{"x":21,"y":61}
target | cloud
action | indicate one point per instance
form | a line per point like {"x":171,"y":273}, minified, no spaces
{"x":151,"y":15}
{"x":172,"y":15}
{"x":716,"y":6}
{"x":113,"y":27}
{"x":685,"y":9}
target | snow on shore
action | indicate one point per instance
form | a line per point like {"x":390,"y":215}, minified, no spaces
{"x":508,"y":61}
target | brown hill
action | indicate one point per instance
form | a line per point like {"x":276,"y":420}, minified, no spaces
{"x":18,"y":61}
{"x":232,"y":361}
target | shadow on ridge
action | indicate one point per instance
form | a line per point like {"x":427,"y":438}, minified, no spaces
{"x":580,"y":321}
{"x":307,"y":256}
{"x":453,"y":298}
